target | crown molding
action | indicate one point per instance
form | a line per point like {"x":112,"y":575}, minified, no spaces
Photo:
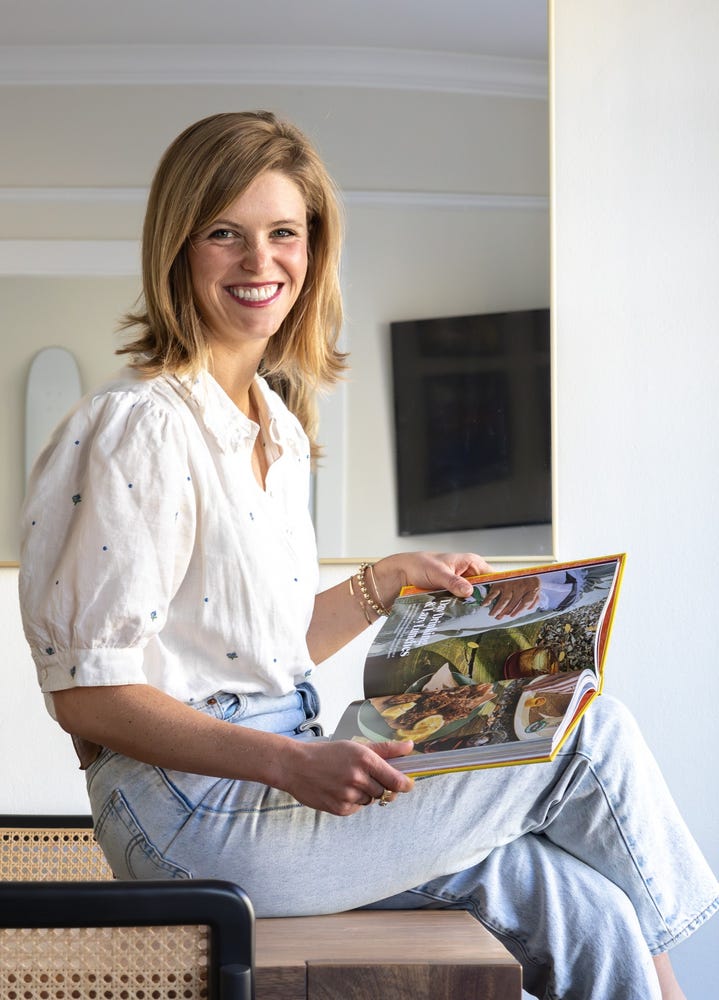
{"x":446,"y":200}
{"x":319,"y":66}
{"x":392,"y":199}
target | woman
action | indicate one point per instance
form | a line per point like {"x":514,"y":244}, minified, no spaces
{"x":168,"y":590}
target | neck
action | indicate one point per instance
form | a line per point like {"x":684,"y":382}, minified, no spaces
{"x":236,"y":376}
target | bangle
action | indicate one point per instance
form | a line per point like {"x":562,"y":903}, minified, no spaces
{"x":377,"y":606}
{"x":377,"y":594}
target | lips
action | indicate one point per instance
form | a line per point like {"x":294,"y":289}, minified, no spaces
{"x":255,"y":294}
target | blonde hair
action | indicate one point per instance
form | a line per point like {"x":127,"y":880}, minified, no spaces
{"x":205,"y":169}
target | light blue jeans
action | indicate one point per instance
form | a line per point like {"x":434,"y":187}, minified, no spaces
{"x":582,"y":867}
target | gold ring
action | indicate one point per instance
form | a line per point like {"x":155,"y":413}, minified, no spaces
{"x":385,"y":798}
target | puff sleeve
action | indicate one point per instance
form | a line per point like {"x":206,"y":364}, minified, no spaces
{"x":107,"y":533}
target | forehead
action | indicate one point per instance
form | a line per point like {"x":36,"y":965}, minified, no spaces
{"x":271,"y":196}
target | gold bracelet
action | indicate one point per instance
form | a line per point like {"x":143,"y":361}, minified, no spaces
{"x":365,"y":612}
{"x":376,"y":590}
{"x":379,"y":609}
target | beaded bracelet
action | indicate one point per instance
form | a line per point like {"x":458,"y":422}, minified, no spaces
{"x":377,"y":606}
{"x":365,"y":612}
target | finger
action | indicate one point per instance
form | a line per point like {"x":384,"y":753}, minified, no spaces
{"x":478,"y":567}
{"x":459,"y":586}
{"x":394,"y":748}
{"x":460,"y":566}
{"x":387,"y":776}
{"x":517,"y":605}
{"x":525,"y":602}
{"x":492,"y":594}
{"x":471,"y":564}
{"x":374,"y":790}
{"x":503,"y":602}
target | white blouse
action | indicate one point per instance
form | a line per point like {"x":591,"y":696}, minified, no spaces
{"x":150,"y":553}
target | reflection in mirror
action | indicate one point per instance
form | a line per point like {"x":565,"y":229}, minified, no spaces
{"x":475,"y":240}
{"x":444,"y":176}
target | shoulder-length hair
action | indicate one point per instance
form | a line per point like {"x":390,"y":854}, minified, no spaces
{"x":204,"y":170}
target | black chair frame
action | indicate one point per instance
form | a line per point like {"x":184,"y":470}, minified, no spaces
{"x":30,"y":820}
{"x":221,"y":906}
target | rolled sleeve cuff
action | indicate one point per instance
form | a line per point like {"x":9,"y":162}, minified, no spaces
{"x":89,"y":668}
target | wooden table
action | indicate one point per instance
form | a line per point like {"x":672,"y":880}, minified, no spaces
{"x":383,"y":955}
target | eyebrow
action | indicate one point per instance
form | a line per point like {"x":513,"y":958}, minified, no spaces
{"x":273,"y":225}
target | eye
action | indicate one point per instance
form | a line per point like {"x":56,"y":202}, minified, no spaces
{"x":222,"y":234}
{"x":283,"y":233}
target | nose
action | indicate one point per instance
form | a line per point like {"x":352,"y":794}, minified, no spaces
{"x":255,"y":255}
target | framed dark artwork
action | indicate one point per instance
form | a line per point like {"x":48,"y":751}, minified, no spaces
{"x":472,"y":421}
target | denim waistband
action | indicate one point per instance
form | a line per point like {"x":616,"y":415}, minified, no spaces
{"x":292,"y":714}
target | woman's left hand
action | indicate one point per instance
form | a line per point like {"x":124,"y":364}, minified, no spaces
{"x":340,"y":612}
{"x":428,"y":571}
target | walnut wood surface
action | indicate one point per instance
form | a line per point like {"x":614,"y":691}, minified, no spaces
{"x":363,"y":955}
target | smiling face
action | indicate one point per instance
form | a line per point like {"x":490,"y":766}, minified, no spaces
{"x":249,"y":264}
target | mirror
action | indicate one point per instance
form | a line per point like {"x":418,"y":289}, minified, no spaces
{"x":53,"y":386}
{"x":443,"y":164}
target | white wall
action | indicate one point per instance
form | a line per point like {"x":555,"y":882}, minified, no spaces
{"x":38,"y":767}
{"x":636,"y":201}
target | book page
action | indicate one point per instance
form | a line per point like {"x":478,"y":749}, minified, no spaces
{"x":433,"y":639}
{"x":504,"y":721}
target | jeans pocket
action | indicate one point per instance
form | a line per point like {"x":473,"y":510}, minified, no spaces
{"x":129,"y":851}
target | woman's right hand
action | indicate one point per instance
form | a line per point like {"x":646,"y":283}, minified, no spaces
{"x":342,"y":777}
{"x":142,"y":722}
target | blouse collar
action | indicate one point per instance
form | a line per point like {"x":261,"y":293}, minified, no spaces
{"x":232,"y":429}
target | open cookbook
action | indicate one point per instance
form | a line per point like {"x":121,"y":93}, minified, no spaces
{"x":501,"y":677}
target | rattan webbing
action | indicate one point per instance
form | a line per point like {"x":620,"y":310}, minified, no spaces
{"x":42,"y":854}
{"x":104,"y":963}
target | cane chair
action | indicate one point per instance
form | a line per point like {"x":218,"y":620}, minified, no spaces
{"x":50,"y":848}
{"x":68,"y":931}
{"x":156,"y":940}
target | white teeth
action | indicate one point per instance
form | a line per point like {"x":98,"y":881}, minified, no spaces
{"x":254,"y":294}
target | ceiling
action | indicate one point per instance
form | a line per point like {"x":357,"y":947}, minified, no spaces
{"x":497,"y":28}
